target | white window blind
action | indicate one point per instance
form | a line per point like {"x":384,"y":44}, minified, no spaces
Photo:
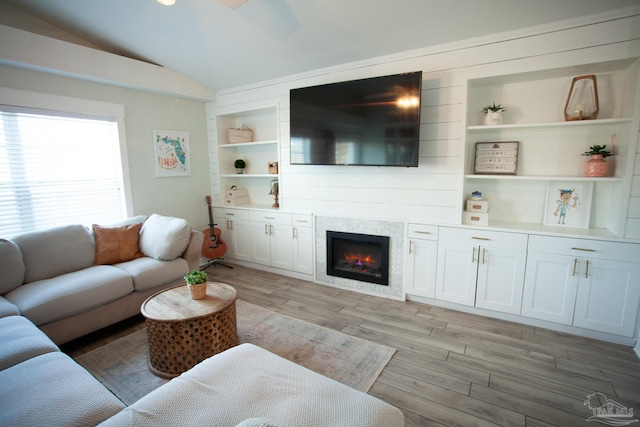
{"x":57,"y":169}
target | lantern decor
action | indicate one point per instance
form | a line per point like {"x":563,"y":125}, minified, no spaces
{"x":274,"y":192}
{"x":582,"y":101}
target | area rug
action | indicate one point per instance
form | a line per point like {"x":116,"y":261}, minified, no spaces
{"x":122,"y":365}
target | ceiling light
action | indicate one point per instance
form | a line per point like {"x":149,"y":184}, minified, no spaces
{"x":167,"y":2}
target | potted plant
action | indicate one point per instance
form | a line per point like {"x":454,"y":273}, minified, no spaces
{"x":493,"y":114}
{"x":197,"y":284}
{"x":239,"y":164}
{"x":597,"y":166}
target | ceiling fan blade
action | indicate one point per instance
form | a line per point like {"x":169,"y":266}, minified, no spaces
{"x":233,"y":4}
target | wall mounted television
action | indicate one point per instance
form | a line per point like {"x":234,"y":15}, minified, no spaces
{"x":367,"y":122}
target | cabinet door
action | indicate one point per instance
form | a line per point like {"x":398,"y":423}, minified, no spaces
{"x":260,"y":243}
{"x":500,"y":279}
{"x":608,"y":296}
{"x":550,"y":287}
{"x":240,"y":247}
{"x":281,"y":246}
{"x":420,"y":274}
{"x":303,"y":250}
{"x":456,"y":273}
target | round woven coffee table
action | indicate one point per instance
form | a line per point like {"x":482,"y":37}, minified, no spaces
{"x":183,"y":332}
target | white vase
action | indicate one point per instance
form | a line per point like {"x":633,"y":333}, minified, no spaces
{"x":493,"y":118}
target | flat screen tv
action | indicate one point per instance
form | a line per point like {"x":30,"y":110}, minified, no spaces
{"x":367,"y":122}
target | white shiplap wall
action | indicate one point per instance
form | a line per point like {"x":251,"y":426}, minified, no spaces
{"x":433,"y":191}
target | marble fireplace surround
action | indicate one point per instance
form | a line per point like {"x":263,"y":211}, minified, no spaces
{"x":394,"y":230}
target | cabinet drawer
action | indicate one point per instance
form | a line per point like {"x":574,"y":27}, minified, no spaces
{"x":270,"y":217}
{"x":496,"y":239}
{"x":235,"y":214}
{"x":302,"y":220}
{"x":420,"y":231}
{"x":585,"y":248}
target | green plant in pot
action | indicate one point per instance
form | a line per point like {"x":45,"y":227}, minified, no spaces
{"x":597,"y":165}
{"x":197,"y":284}
{"x":493,"y":114}
{"x":239,"y":164}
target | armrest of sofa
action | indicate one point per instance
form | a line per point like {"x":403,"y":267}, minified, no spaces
{"x":192,"y":253}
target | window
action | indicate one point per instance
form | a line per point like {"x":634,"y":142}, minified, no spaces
{"x":58,"y":168}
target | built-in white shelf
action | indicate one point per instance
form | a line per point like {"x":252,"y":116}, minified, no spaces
{"x":249,"y":175}
{"x":575,"y":123}
{"x":247,"y":144}
{"x":544,"y":178}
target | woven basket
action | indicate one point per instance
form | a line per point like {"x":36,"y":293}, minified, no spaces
{"x":198,"y":291}
{"x":240,"y":135}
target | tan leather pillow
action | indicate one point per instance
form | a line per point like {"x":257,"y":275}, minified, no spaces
{"x":117,"y":244}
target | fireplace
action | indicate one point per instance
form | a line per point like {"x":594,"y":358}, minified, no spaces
{"x":362,"y":257}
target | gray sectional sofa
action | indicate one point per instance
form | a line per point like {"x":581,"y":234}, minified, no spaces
{"x":72,"y":280}
{"x":64,"y":282}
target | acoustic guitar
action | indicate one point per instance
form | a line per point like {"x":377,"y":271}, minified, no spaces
{"x":213,"y":247}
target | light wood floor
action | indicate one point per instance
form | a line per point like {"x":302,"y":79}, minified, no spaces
{"x":450,"y":368}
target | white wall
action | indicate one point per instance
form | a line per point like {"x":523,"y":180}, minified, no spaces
{"x":181,"y":196}
{"x":434,"y":190}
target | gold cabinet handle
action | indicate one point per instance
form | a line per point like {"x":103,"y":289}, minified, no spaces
{"x":269,"y":217}
{"x":480,"y":238}
{"x":584,"y":249}
{"x":410,"y":247}
{"x":473,"y":255}
{"x":575,"y":264}
{"x":270,"y":230}
{"x":266,"y":229}
{"x":586,"y":271}
{"x":484,"y":252}
{"x":422,"y":232}
{"x":295,"y":233}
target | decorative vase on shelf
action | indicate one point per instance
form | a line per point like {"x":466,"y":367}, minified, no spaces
{"x":493,"y":118}
{"x":596,"y":166}
{"x":239,"y":170}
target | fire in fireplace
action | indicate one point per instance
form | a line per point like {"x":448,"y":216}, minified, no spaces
{"x":361,"y":257}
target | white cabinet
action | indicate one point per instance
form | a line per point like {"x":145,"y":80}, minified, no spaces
{"x":272,"y":238}
{"x":257,"y":154}
{"x":303,"y":244}
{"x":234,"y":224}
{"x":585,"y":283}
{"x":420,"y":266}
{"x":481,"y":268}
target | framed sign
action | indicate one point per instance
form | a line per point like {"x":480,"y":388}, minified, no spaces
{"x":495,"y":158}
{"x":171,"y":153}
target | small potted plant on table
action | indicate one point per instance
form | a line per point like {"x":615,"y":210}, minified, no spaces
{"x":597,"y":165}
{"x":493,"y":114}
{"x":239,"y":165}
{"x":197,"y":284}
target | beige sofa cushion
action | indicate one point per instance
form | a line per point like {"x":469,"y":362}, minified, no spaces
{"x":11,"y":266}
{"x":117,"y":244}
{"x":148,"y":273}
{"x":53,"y":390}
{"x":164,"y":238}
{"x":21,"y":340}
{"x":52,"y":299}
{"x":55,"y":251}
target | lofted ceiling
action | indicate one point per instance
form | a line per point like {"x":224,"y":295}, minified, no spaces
{"x":222,"y":47}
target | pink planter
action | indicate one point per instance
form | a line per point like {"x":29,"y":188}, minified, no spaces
{"x":597,"y":166}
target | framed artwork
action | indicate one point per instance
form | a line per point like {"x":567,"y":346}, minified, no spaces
{"x":171,"y":153}
{"x":568,"y":203}
{"x":496,"y":158}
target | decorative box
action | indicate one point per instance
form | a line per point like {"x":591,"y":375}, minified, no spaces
{"x":234,"y":194}
{"x":475,"y":218}
{"x":236,"y":201}
{"x":272,"y":167}
{"x":479,"y":206}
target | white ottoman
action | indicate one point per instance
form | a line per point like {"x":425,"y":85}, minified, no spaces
{"x":248,"y":382}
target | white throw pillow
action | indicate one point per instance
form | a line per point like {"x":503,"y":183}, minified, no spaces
{"x":164,"y":238}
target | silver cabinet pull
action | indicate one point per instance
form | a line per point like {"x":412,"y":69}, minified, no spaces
{"x":295,"y":233}
{"x":410,"y":247}
{"x":270,"y":230}
{"x":302,"y":220}
{"x":575,"y":264}
{"x":484,"y":252}
{"x":229,"y":213}
{"x":269,"y":217}
{"x":473,"y":255}
{"x":480,"y":238}
{"x":266,"y":229}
